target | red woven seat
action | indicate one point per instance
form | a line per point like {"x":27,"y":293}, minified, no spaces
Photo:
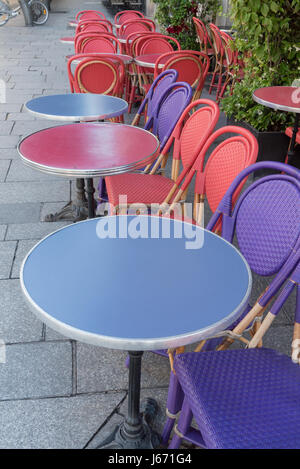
{"x":139,"y":188}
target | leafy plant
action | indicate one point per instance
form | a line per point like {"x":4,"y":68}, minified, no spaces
{"x":176,"y":18}
{"x":268,"y":36}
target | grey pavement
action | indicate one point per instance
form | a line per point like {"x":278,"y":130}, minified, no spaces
{"x":55,"y":392}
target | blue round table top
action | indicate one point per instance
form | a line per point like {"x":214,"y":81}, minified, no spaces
{"x":136,"y":282}
{"x":77,"y":107}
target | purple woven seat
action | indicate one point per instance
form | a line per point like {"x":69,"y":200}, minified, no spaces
{"x":241,"y":398}
{"x":266,"y":222}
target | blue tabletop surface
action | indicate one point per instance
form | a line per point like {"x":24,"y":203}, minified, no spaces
{"x":77,"y":106}
{"x":133,"y":291}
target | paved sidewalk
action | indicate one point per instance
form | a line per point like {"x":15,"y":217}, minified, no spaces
{"x":54,"y":392}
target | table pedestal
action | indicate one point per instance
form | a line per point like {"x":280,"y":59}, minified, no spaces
{"x":80,"y":208}
{"x":135,"y":432}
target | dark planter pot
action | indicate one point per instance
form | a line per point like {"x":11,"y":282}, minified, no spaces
{"x":272,"y":146}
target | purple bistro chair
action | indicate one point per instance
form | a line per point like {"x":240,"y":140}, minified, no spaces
{"x":163,"y":118}
{"x":148,"y":106}
{"x":266,"y":222}
{"x":158,"y":87}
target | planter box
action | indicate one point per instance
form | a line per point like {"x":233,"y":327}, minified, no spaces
{"x":273,"y":146}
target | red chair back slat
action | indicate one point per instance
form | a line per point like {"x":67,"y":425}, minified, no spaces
{"x":94,"y":75}
{"x":89,"y":14}
{"x":127,"y":15}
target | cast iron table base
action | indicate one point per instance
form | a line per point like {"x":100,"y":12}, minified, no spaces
{"x":78,"y":209}
{"x":135,"y":431}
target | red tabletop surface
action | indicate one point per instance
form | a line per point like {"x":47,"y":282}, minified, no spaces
{"x":150,"y":59}
{"x":285,"y":98}
{"x":70,"y":39}
{"x":125,"y":58}
{"x":88,"y":146}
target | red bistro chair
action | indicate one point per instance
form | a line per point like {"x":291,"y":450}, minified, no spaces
{"x":203,"y":37}
{"x":225,"y":162}
{"x":149,"y":44}
{"x":127,"y":15}
{"x":81,"y":37}
{"x":89,"y":14}
{"x":132,"y":41}
{"x":220,"y":59}
{"x":289,"y":133}
{"x":103,"y":75}
{"x":192,"y":67}
{"x":189,"y":135}
{"x":135,"y":26}
{"x":90,"y":25}
{"x":233,"y":67}
{"x":98,"y":43}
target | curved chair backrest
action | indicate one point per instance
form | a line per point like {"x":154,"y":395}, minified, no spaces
{"x":172,"y":103}
{"x":94,"y":25}
{"x":202,"y":35}
{"x":135,"y":26}
{"x":157,"y":44}
{"x":152,"y":98}
{"x":134,"y":41}
{"x":192,"y":67}
{"x":81,"y":37}
{"x":99,"y":43}
{"x":229,"y":52}
{"x":95,"y":75}
{"x":89,"y":14}
{"x":226,"y":161}
{"x":216,"y":40}
{"x":265,"y":218}
{"x":194,"y":127}
{"x":127,"y":15}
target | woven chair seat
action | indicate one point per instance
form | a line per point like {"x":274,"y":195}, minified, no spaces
{"x":139,"y":188}
{"x":243,"y":398}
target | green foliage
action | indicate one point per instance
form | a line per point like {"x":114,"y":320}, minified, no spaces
{"x":176,"y":18}
{"x":268,"y":32}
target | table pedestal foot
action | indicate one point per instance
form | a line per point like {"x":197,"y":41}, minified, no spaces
{"x":75,"y":210}
{"x":143,"y":438}
{"x":135,"y":432}
{"x":70,"y":212}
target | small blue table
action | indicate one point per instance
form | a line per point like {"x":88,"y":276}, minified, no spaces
{"x":135,"y":283}
{"x":75,"y":107}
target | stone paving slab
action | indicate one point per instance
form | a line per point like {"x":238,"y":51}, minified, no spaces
{"x":100,"y":369}
{"x":23,"y":247}
{"x":7,"y":253}
{"x":6,"y":128}
{"x":19,"y":172}
{"x":4,"y":167}
{"x":20,"y":213}
{"x":32,"y":230}
{"x":33,"y":191}
{"x":61,"y":423}
{"x":17,"y":322}
{"x":10,"y":141}
{"x":3,"y":229}
{"x":36,"y":370}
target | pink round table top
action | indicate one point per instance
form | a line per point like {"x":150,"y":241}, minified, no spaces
{"x":149,"y":60}
{"x":281,"y":98}
{"x":67,"y":40}
{"x":89,"y":149}
{"x":125,"y":58}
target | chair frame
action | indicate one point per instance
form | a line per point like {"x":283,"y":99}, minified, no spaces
{"x":194,"y":56}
